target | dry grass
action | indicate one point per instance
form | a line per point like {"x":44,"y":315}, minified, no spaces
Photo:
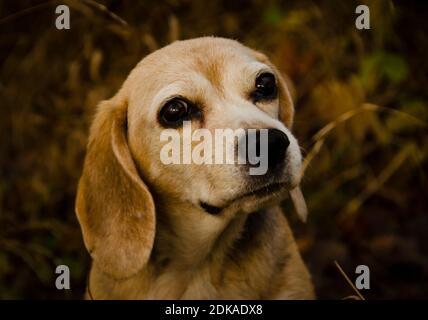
{"x":362,"y":115}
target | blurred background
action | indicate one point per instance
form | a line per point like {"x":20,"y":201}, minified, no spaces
{"x":361,"y":100}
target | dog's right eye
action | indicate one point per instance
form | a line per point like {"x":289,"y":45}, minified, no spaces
{"x":266,"y":88}
{"x":174,"y":112}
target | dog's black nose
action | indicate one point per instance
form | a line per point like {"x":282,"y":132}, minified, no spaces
{"x":275,"y":145}
{"x":278,"y":143}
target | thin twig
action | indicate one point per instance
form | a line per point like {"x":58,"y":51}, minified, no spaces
{"x":349,"y":281}
{"x":26,"y":11}
{"x":102,"y":8}
{"x":320,"y":137}
{"x":90,"y":3}
{"x":374,"y":185}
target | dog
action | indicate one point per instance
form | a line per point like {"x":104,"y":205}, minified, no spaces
{"x":157,"y":231}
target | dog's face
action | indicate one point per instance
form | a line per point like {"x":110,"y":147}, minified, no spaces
{"x":211,"y":84}
{"x":202,"y":84}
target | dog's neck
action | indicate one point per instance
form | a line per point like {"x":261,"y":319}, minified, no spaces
{"x":180,"y":243}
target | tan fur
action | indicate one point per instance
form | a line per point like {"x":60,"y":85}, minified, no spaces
{"x":141,"y":221}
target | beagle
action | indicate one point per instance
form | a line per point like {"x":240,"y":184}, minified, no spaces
{"x":170,"y":231}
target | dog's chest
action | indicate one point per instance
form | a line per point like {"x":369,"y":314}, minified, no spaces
{"x":199,"y":284}
{"x":246,"y":269}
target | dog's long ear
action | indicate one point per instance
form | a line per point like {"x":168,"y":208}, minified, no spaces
{"x":286,"y":105}
{"x":286,"y":114}
{"x":114,"y":207}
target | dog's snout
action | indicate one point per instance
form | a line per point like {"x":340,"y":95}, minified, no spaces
{"x":269,"y":149}
{"x":278,"y":143}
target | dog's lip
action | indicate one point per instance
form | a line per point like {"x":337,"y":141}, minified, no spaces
{"x":263,"y":191}
{"x":260,"y":192}
{"x":210,"y":208}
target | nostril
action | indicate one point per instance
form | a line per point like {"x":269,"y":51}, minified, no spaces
{"x":278,"y":143}
{"x":254,"y":153}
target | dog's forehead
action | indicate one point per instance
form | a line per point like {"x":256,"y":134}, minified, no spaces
{"x":205,"y":53}
{"x":213,"y":58}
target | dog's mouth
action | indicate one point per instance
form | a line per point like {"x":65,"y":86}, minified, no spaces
{"x":263,"y":191}
{"x":258,"y":194}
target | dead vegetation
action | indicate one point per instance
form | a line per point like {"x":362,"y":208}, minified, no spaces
{"x":361,"y":100}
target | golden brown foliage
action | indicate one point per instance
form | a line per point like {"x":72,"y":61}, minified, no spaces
{"x":361,"y":101}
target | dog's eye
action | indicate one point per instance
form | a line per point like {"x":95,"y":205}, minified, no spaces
{"x":266,"y":88}
{"x":174,"y":112}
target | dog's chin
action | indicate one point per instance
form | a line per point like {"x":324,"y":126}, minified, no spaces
{"x":252,"y":200}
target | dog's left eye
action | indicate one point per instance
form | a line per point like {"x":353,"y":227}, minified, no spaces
{"x":175,"y":111}
{"x":266,"y":88}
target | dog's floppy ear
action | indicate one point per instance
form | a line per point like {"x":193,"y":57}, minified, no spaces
{"x":114,"y":207}
{"x":286,"y":114}
{"x":286,"y":106}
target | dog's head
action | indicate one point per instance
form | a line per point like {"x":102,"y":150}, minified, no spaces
{"x":170,"y":108}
